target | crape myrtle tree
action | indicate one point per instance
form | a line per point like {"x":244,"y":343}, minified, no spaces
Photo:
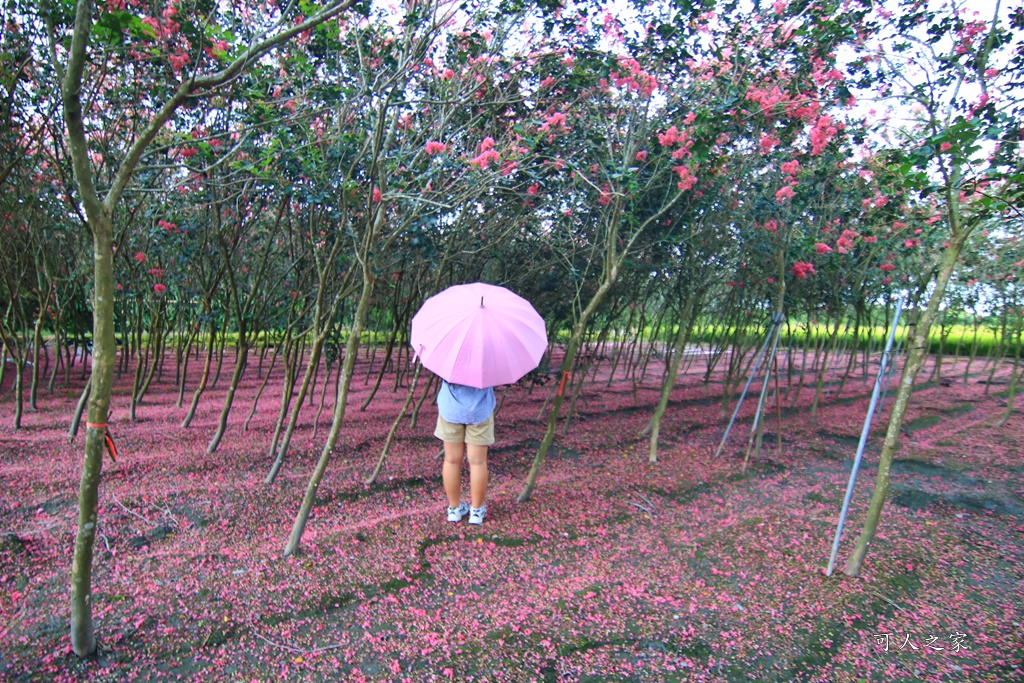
{"x":429,"y":137}
{"x":181,"y":54}
{"x":763,"y":88}
{"x":953,"y":67}
{"x":613,"y":180}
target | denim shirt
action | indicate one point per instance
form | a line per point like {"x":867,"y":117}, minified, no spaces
{"x":464,"y":405}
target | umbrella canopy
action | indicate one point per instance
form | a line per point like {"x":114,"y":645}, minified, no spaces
{"x":478,"y":335}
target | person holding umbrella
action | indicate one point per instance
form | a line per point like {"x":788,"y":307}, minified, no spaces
{"x":475,"y":337}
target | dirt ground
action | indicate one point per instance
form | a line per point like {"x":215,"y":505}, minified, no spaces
{"x":615,"y":570}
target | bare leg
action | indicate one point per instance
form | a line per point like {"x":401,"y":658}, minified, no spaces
{"x":451,"y":473}
{"x":477,"y":473}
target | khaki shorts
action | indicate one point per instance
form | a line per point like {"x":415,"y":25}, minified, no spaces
{"x":481,"y":434}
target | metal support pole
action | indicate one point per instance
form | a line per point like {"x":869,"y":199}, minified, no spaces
{"x":863,"y":441}
{"x":777,"y":319}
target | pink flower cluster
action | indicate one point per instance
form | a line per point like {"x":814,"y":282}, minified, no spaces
{"x":487,"y":154}
{"x":786,"y":193}
{"x":801,"y":269}
{"x":556,"y":121}
{"x":434,"y":147}
{"x":821,"y":134}
{"x":768,"y":142}
{"x":845,"y":242}
{"x":634,"y":79}
{"x":673,"y":136}
{"x":686,"y":177}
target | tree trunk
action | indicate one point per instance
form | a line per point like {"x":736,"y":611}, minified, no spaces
{"x":304,"y":388}
{"x":76,"y":419}
{"x":567,"y":363}
{"x":678,"y":349}
{"x":394,"y":428}
{"x":915,"y":357}
{"x":236,"y":377}
{"x":83,"y":638}
{"x":37,"y":338}
{"x":1014,"y":378}
{"x":204,"y":378}
{"x":351,"y":349}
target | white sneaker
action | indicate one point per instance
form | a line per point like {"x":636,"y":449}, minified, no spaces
{"x":476,"y":515}
{"x":456,"y":514}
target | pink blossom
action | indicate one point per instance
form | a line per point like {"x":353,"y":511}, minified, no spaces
{"x":556,"y":120}
{"x":870,"y":238}
{"x":669,"y":137}
{"x":156,"y":272}
{"x":768,"y":143}
{"x":945,"y":147}
{"x":791,"y":167}
{"x":686,"y":177}
{"x":533,"y":189}
{"x":822,"y":248}
{"x":447,"y":74}
{"x":376,"y":194}
{"x":485,"y":158}
{"x":801,"y":269}
{"x":159,"y":288}
{"x":886,"y":267}
{"x":771,"y":226}
{"x":140,"y":257}
{"x":785,"y":193}
{"x":821,"y":134}
{"x":488,"y":143}
{"x":548,"y":82}
{"x":881,"y":200}
{"x":886,"y":281}
{"x":433,"y":148}
{"x":911,"y":243}
{"x":641,"y":155}
{"x":178,"y":61}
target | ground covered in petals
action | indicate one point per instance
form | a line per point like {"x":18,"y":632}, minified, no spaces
{"x":689,"y":569}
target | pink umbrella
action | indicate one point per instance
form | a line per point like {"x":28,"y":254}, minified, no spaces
{"x":478,"y":335}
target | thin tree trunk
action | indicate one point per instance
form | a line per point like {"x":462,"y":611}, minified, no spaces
{"x":351,"y":349}
{"x":915,"y":357}
{"x":76,"y":419}
{"x":394,"y":428}
{"x":678,"y":348}
{"x":304,"y":388}
{"x":202,"y":378}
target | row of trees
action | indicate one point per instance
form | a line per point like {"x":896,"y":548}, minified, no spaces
{"x":298,"y":177}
